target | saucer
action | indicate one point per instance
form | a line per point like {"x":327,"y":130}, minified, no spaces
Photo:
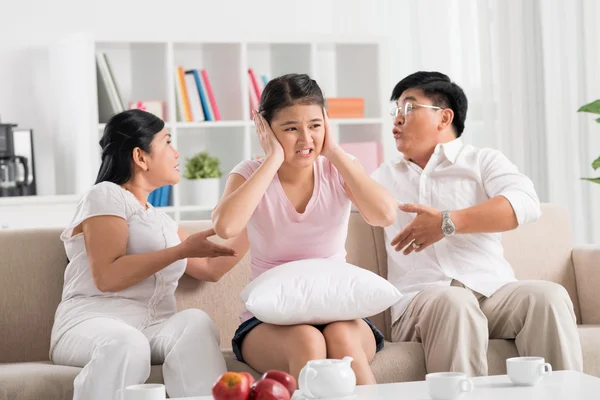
{"x":298,"y":395}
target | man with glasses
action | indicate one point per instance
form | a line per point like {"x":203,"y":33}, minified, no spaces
{"x":444,"y":250}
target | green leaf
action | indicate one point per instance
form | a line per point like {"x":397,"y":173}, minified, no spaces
{"x":595,"y":180}
{"x":202,"y":166}
{"x":596,"y":163}
{"x":593,"y":107}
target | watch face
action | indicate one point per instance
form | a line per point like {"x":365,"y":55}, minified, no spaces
{"x":447,"y":229}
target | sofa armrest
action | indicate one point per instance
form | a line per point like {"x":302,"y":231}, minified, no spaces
{"x":586,"y":261}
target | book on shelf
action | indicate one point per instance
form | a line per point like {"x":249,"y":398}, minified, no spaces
{"x":253,"y":92}
{"x":265,"y":80}
{"x":211,"y":95}
{"x":370,"y":154}
{"x":183,"y":103}
{"x":256,"y":86}
{"x":345,"y":107}
{"x":201,"y":93}
{"x":195,"y":98}
{"x":109,"y":97}
{"x":160,"y":197}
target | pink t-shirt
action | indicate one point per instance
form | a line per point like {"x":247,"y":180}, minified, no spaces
{"x":279,"y":234}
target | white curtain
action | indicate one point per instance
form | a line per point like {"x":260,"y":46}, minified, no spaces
{"x":526,"y":67}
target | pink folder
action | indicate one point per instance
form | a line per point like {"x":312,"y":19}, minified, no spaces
{"x":368,"y":153}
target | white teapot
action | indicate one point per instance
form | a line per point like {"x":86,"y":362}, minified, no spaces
{"x":321,"y":379}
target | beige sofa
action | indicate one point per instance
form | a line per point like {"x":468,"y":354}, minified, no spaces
{"x":31,"y":277}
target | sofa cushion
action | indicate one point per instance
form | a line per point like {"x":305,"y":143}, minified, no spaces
{"x":590,"y":343}
{"x":399,"y":362}
{"x":220,"y":300}
{"x":36,"y":380}
{"x":542,"y":250}
{"x":365,"y":247}
{"x":33,"y":266}
{"x":44,"y":380}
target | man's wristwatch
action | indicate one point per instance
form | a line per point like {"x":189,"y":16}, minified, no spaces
{"x":448,"y":228}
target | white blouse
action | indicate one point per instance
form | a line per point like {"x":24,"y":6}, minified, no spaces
{"x":146,"y":303}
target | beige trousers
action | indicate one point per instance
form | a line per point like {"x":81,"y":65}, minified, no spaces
{"x":454,"y":324}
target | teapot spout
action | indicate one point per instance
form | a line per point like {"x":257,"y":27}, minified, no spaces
{"x":348,"y":360}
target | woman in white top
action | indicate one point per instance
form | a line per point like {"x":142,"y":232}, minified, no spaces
{"x":118,"y":313}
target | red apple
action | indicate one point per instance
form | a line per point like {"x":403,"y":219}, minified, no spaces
{"x":251,"y":379}
{"x":284,"y":378}
{"x":268,"y":389}
{"x":231,"y":386}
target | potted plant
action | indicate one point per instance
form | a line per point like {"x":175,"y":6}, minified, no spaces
{"x":594,"y":108}
{"x":203,"y":173}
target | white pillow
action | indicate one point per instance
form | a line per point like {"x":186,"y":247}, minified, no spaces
{"x":317,"y":291}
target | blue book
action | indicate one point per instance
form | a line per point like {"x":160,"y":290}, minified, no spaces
{"x":151,"y":197}
{"x":159,"y":193}
{"x":164,"y":198}
{"x":203,"y":96}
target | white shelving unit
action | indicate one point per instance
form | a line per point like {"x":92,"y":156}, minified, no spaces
{"x":146,"y":71}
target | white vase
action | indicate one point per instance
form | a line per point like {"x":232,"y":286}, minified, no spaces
{"x":205,"y":192}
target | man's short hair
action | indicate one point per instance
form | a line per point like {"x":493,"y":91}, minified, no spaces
{"x":441,"y":91}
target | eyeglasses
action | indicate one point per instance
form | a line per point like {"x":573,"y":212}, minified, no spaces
{"x":408,"y":108}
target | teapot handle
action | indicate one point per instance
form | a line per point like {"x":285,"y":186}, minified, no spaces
{"x":304,"y":380}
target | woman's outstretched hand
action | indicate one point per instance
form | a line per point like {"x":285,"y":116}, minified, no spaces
{"x":198,"y":246}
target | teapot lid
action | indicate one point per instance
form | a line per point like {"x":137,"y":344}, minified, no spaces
{"x":331,"y":362}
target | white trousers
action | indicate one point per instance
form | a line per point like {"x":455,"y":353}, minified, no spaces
{"x":114,"y":355}
{"x":454,"y":324}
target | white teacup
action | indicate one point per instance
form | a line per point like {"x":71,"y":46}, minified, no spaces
{"x":327,"y":378}
{"x":147,"y":391}
{"x":527,"y":371}
{"x":448,"y":385}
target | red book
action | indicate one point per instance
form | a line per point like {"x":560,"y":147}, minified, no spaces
{"x":211,"y":95}
{"x":254,"y":83}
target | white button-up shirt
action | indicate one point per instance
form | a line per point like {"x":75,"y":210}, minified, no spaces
{"x":457,"y":176}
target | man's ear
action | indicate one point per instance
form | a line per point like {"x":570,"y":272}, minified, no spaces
{"x":139,"y":158}
{"x":447,"y":118}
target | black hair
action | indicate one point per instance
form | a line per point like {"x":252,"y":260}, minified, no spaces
{"x":123,"y":133}
{"x":288,"y":90}
{"x":441,"y":91}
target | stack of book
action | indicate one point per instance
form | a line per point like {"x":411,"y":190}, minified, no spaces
{"x":195,"y":96}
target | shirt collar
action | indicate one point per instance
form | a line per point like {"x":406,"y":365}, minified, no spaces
{"x":450,"y":150}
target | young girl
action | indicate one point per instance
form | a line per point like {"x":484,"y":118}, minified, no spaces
{"x":118,"y":311}
{"x":295,"y":204}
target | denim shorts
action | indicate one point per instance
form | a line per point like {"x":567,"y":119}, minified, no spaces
{"x":247,"y":326}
